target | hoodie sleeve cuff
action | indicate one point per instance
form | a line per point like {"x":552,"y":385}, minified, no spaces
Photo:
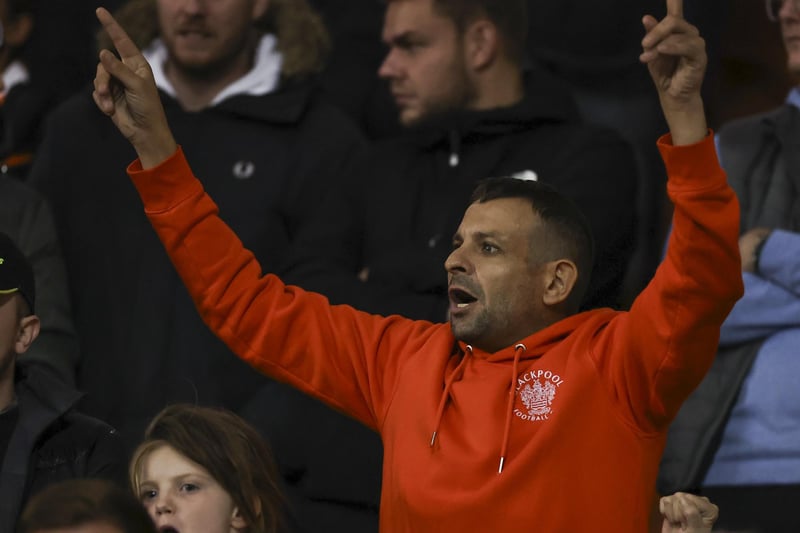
{"x":166,"y":185}
{"x":691,"y":166}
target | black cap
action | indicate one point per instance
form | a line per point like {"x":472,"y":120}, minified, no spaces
{"x":16,"y":273}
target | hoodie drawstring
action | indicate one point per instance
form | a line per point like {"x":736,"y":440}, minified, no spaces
{"x":518,"y":351}
{"x":456,"y":374}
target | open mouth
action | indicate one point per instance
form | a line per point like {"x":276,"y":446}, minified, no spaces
{"x":461,"y":298}
{"x":168,"y":529}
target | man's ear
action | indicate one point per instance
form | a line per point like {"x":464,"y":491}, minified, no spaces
{"x":481,"y":44}
{"x":26,"y":333}
{"x":18,"y":30}
{"x":562,"y":275}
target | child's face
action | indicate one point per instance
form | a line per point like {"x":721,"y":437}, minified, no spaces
{"x":181,"y":496}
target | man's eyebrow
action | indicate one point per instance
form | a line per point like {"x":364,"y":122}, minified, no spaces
{"x":401,"y":39}
{"x":490,"y":235}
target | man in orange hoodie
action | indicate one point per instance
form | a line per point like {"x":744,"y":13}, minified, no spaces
{"x":520,"y":413}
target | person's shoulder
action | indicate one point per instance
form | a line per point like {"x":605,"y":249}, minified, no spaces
{"x":18,"y":202}
{"x":75,"y":444}
{"x":14,"y":192}
{"x":751,"y":123}
{"x":76,"y":431}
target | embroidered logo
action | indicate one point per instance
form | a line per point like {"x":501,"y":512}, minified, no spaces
{"x":537,"y":390}
{"x":538,"y":398}
{"x":243,"y":170}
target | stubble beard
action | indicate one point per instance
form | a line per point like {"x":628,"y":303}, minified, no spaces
{"x":471,"y":329}
{"x":457,"y":97}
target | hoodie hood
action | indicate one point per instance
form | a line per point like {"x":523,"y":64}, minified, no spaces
{"x":538,"y":343}
{"x":260,"y":94}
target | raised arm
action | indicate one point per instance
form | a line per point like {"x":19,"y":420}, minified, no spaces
{"x":124,"y":89}
{"x":675,"y":56}
{"x":654,"y":356}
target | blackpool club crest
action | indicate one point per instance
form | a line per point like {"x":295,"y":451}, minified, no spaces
{"x":537,"y":390}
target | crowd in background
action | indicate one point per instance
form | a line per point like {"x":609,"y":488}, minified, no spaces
{"x":325,"y":160}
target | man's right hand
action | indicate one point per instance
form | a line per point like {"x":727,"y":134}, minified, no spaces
{"x":126,"y":91}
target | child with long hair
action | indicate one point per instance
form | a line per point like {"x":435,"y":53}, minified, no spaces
{"x":205,"y":469}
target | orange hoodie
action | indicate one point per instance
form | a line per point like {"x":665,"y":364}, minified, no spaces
{"x":561,"y":432}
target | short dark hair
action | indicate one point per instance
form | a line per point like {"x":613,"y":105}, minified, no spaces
{"x":510,"y":17}
{"x":232,"y":452}
{"x":568,"y":233}
{"x":78,"y":502}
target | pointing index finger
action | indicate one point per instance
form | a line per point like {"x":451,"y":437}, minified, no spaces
{"x":123,"y":43}
{"x":675,"y":7}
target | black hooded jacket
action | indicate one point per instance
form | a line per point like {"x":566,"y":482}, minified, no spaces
{"x":266,"y":160}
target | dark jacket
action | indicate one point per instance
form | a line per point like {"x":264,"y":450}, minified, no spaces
{"x":267,"y":160}
{"x":51,"y":442}
{"x":397,"y":216}
{"x":757,"y":152}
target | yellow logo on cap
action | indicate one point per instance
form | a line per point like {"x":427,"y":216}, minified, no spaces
{"x":1,"y":260}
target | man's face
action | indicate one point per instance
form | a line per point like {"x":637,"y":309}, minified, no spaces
{"x":425,"y":66}
{"x":790,"y":31}
{"x":495,"y":285}
{"x":203,"y":37}
{"x":9,"y":331}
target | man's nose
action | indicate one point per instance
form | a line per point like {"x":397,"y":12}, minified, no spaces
{"x":456,"y":262}
{"x":389,"y":67}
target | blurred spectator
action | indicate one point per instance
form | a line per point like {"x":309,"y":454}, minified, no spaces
{"x":27,"y":219}
{"x":237,"y":82}
{"x":85,"y":506}
{"x":23,"y":102}
{"x":42,"y":438}
{"x":736,"y":437}
{"x":37,"y":73}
